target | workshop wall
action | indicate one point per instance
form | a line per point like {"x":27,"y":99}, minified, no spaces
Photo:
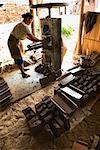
{"x":91,"y":40}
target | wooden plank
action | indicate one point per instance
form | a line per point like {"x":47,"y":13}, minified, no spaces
{"x":91,"y":40}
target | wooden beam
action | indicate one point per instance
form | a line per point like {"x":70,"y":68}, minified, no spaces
{"x":80,"y":27}
{"x":31,"y":2}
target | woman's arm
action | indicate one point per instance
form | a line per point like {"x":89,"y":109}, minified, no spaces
{"x":33,"y":38}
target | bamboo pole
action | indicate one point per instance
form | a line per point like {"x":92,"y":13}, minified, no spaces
{"x":31,"y":2}
{"x":79,"y":50}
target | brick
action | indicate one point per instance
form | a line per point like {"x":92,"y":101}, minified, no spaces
{"x":2,"y":81}
{"x":56,"y":89}
{"x":46,"y":98}
{"x":56,"y":128}
{"x":35,"y":126}
{"x":38,"y":104}
{"x":44,"y":81}
{"x":47,"y":101}
{"x":66,"y":122}
{"x":50,"y":105}
{"x":48,"y":118}
{"x":29,"y":113}
{"x":40,"y":109}
{"x":44,"y":113}
{"x":48,"y":129}
{"x":59,"y":121}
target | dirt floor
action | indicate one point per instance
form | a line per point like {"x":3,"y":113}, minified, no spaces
{"x":11,"y":12}
{"x":15,"y":133}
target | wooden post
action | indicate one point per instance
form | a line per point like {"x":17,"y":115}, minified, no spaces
{"x":39,"y":2}
{"x":38,"y":11}
{"x":31,"y":2}
{"x":80,"y":27}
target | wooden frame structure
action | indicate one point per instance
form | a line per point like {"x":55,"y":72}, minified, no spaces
{"x":31,"y":2}
{"x":78,"y":49}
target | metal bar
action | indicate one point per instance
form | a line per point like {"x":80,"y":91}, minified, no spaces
{"x":49,"y":10}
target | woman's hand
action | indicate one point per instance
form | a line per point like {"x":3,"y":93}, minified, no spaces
{"x":33,"y":38}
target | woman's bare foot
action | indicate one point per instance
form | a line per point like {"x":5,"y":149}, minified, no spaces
{"x":24,"y":75}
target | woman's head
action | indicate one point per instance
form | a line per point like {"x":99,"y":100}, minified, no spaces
{"x":28,"y":17}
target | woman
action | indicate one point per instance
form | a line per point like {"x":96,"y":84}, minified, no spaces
{"x":20,"y":32}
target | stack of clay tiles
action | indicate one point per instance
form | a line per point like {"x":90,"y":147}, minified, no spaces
{"x":5,"y":94}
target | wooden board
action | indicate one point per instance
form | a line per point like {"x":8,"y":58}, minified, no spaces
{"x":91,"y":40}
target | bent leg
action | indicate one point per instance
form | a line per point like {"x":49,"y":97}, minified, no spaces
{"x":20,"y":65}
